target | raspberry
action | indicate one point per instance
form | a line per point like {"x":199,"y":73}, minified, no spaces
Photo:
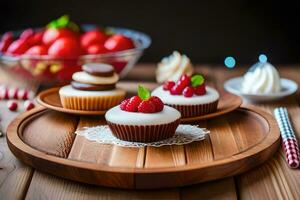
{"x":168,"y":85}
{"x":184,"y":80}
{"x":133,"y":103}
{"x":176,"y":90}
{"x":188,"y":91}
{"x":200,"y":90}
{"x":159,"y":105}
{"x":123,"y":104}
{"x":146,"y":107}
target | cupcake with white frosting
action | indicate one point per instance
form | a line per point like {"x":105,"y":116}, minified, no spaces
{"x":92,"y":89}
{"x":189,"y":95}
{"x":143,"y":118}
{"x":171,"y":68}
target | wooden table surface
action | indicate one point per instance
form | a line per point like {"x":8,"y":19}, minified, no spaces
{"x":272,"y":180}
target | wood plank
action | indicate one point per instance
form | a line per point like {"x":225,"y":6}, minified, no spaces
{"x":41,"y":135}
{"x":219,"y":190}
{"x":45,"y":186}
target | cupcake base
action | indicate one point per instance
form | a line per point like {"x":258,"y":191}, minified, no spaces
{"x":196,"y":110}
{"x":144,"y":133}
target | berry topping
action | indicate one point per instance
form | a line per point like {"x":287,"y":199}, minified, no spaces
{"x":124,"y":104}
{"x":146,"y":107}
{"x":176,"y":90}
{"x":200,"y":90}
{"x":143,"y":103}
{"x":168,"y":85}
{"x":159,"y":105}
{"x":188,"y":91}
{"x":184,"y":80}
{"x":133,"y":103}
{"x":187,"y":86}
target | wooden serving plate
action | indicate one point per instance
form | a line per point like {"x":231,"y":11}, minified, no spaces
{"x":239,"y":141}
{"x":50,"y":99}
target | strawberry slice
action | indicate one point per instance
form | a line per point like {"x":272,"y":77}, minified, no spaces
{"x":37,"y":50}
{"x":6,"y":40}
{"x":66,"y":48}
{"x":95,"y":36}
{"x":118,"y":42}
{"x":19,"y":46}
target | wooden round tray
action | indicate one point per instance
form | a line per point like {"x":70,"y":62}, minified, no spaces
{"x":50,"y":99}
{"x":238,"y":141}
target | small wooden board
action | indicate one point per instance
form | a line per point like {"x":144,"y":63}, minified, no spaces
{"x":239,"y":141}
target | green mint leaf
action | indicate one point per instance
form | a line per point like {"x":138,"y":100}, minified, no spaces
{"x":143,"y":93}
{"x":63,"y":21}
{"x":197,"y":80}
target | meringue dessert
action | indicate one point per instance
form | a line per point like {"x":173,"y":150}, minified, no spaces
{"x":92,"y":89}
{"x":171,"y":68}
{"x":263,"y":78}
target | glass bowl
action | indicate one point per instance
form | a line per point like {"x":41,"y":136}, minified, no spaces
{"x":49,"y":70}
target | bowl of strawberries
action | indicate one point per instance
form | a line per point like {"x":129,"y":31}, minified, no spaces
{"x":50,"y":55}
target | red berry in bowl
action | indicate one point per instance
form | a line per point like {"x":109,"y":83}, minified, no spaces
{"x":92,"y":37}
{"x":118,"y":42}
{"x":188,"y":91}
{"x":176,"y":90}
{"x":200,"y":90}
{"x":18,"y":47}
{"x":53,"y":34}
{"x":96,"y":49}
{"x":124,"y":104}
{"x":66,"y":48}
{"x":6,"y":40}
{"x":159,"y":105}
{"x":146,"y":107}
{"x":38,"y":38}
{"x":26,"y":34}
{"x":168,"y":85}
{"x":133,"y":103}
{"x":37,"y":50}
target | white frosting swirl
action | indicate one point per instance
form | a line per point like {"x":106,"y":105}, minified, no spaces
{"x":173,"y":66}
{"x":210,"y":96}
{"x":84,"y":77}
{"x":118,"y":116}
{"x":264,"y":79}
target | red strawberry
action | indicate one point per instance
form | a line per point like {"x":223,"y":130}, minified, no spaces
{"x":200,"y":90}
{"x":146,"y":107}
{"x":18,"y":47}
{"x":37,"y":50}
{"x":188,"y":91}
{"x":6,"y":40}
{"x":26,"y":34}
{"x":96,"y":49}
{"x":159,"y":105}
{"x":168,"y":85}
{"x":66,"y":48}
{"x":133,"y":103}
{"x":118,"y":42}
{"x":38,"y":38}
{"x":124,"y":104}
{"x":92,"y":37}
{"x":53,"y":34}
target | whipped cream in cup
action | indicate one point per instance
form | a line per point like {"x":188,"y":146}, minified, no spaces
{"x":263,"y":79}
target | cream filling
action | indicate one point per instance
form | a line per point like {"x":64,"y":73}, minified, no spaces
{"x":68,"y":90}
{"x":84,"y":77}
{"x":210,"y":96}
{"x":263,"y":80}
{"x":118,"y":116}
{"x":173,"y":66}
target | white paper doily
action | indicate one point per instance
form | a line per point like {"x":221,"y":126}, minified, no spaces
{"x":184,"y":134}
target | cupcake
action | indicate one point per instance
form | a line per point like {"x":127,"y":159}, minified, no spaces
{"x":143,"y":118}
{"x":189,"y":95}
{"x":92,"y":89}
